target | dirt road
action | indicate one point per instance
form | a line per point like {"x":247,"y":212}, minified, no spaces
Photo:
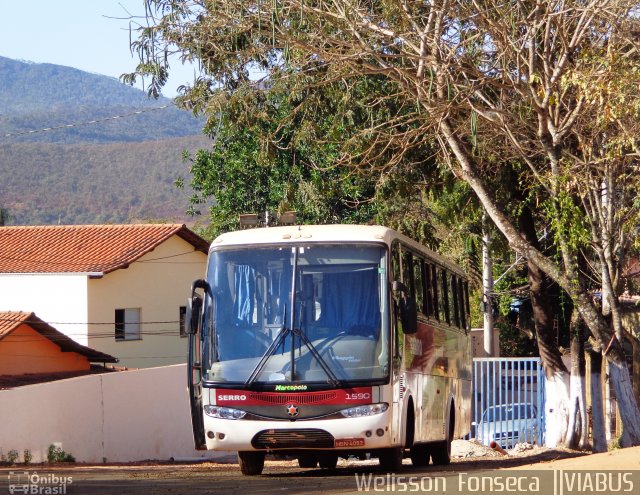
{"x":286,"y":477}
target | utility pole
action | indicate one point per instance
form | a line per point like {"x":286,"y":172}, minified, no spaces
{"x":487,"y":288}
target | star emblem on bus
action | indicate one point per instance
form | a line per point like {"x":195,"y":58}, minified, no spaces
{"x":292,"y":410}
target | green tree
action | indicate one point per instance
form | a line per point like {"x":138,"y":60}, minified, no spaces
{"x":491,"y":83}
{"x":266,"y":157}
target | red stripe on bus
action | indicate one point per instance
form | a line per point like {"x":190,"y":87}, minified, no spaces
{"x":349,"y":396}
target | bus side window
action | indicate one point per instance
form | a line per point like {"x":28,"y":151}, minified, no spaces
{"x":461,"y":304}
{"x":418,"y":279}
{"x":407,"y":272}
{"x":428,"y":291}
{"x":433,"y":288}
{"x":453,"y":298}
{"x":396,"y":270}
{"x":405,"y":298}
{"x":445,"y":314}
{"x":466,"y":300}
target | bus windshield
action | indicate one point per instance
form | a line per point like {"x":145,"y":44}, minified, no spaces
{"x":296,"y":314}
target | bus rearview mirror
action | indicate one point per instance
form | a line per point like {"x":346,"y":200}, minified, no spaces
{"x":407,"y":307}
{"x":408,"y":315}
{"x":192,"y":316}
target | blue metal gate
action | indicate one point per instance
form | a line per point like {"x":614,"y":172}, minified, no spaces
{"x":508,"y":401}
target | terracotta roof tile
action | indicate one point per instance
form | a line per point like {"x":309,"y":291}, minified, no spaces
{"x":84,"y":248}
{"x":10,"y":320}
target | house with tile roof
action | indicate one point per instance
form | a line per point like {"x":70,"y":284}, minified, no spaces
{"x":119,"y":289}
{"x":31,"y":346}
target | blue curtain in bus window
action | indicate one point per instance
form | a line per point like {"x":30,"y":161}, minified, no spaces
{"x":245,"y":290}
{"x":351,"y":302}
{"x":275,"y":297}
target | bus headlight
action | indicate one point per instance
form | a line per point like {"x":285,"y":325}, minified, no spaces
{"x":224,"y":412}
{"x":368,"y":410}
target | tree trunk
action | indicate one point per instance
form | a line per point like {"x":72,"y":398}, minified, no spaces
{"x":557,"y":387}
{"x":619,"y":376}
{"x":487,"y":288}
{"x":577,"y":436}
{"x":635,"y":345}
{"x":582,"y":300}
{"x":597,"y":411}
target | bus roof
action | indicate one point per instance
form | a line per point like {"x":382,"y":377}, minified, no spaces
{"x":341,"y":233}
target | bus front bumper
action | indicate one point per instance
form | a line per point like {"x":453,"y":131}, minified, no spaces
{"x":346,"y":434}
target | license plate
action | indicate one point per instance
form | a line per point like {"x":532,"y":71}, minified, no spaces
{"x":349,"y":442}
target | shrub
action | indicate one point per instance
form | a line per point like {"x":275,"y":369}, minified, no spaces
{"x":56,"y":454}
{"x":12,"y":456}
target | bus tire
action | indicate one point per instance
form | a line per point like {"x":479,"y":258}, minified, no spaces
{"x":390,"y":459}
{"x":441,"y":451}
{"x":307,"y":461}
{"x":420,"y":455}
{"x":251,"y":463}
{"x":328,"y":461}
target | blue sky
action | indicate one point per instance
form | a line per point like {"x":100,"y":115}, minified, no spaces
{"x":90,"y":35}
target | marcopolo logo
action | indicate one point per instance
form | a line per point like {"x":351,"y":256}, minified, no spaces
{"x":290,"y":388}
{"x":38,"y":484}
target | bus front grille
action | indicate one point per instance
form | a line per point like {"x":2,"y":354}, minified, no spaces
{"x":311,"y":438}
{"x":301,"y":399}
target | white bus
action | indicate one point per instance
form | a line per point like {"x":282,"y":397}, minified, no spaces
{"x":328,"y":341}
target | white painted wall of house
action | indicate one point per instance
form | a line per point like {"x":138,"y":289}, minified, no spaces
{"x":114,"y":417}
{"x":58,"y":299}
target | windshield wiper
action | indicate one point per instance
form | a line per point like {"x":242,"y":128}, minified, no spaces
{"x":284,"y":331}
{"x":282,"y":334}
{"x":333,"y":379}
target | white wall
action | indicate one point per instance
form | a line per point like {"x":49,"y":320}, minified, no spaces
{"x":114,"y":417}
{"x":58,"y":299}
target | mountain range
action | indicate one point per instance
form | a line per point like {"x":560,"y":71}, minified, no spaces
{"x":80,"y":148}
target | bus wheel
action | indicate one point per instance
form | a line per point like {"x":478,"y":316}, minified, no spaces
{"x":307,"y":461}
{"x":441,"y":453}
{"x":251,"y":463}
{"x":420,"y":455}
{"x":328,"y":461}
{"x":390,"y":459}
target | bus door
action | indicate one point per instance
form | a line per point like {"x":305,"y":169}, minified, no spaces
{"x":193,"y":328}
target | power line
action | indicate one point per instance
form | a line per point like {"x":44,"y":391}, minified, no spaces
{"x":27,"y":339}
{"x":51,"y":323}
{"x":88,"y":122}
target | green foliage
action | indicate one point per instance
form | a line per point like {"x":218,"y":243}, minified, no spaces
{"x":12,"y":457}
{"x":567,"y":221}
{"x":353,"y":86}
{"x":515,"y":343}
{"x":56,"y":454}
{"x":265,"y":156}
{"x":236,"y":180}
{"x":27,"y":456}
